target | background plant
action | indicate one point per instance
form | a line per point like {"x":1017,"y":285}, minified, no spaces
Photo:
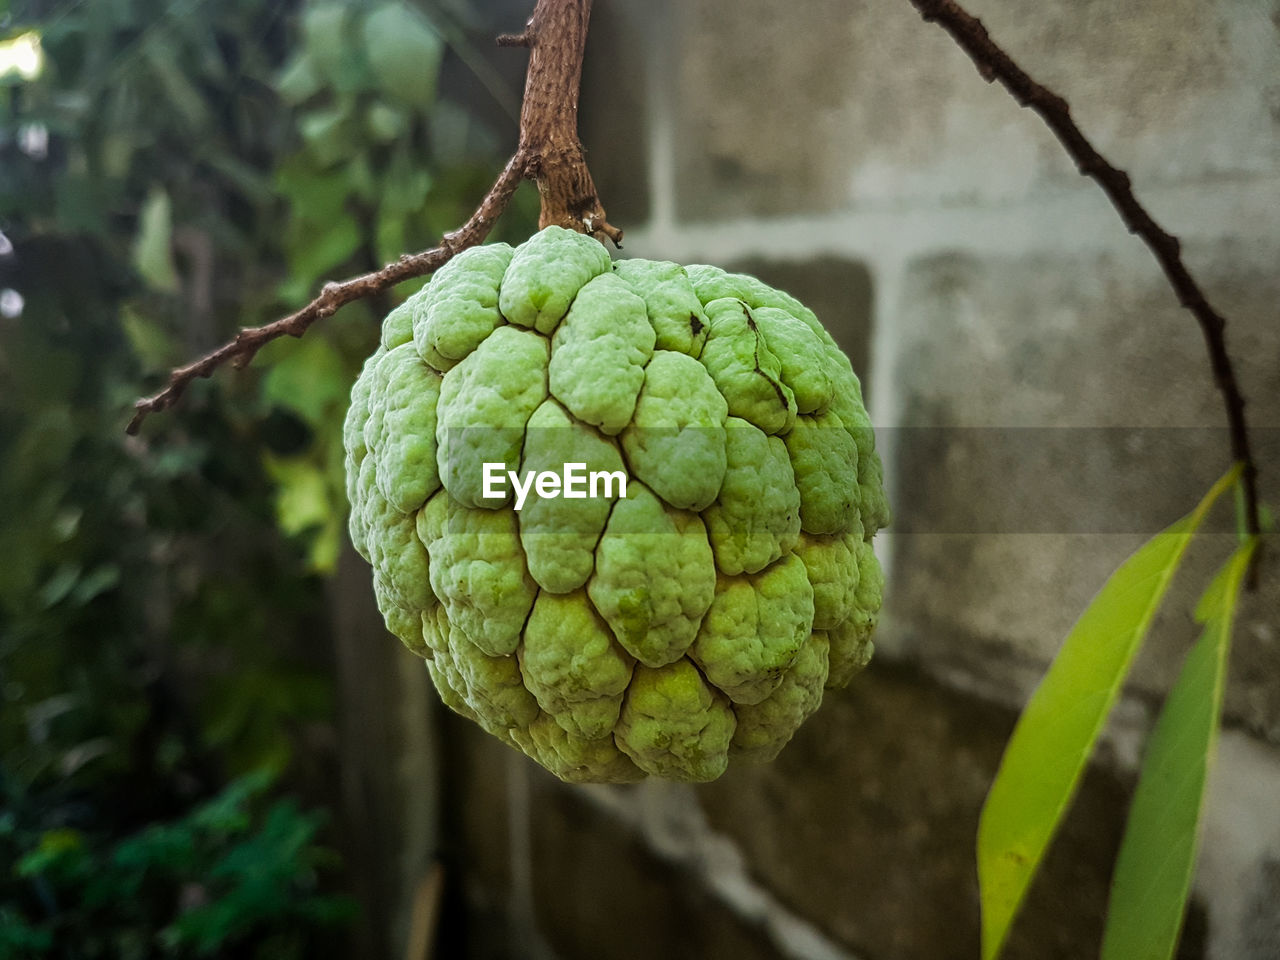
{"x":163,"y":623}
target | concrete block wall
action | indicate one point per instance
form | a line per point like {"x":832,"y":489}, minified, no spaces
{"x":1043,"y":405}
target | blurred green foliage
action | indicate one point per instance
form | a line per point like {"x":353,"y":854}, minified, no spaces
{"x":179,"y":168}
{"x":223,"y":879}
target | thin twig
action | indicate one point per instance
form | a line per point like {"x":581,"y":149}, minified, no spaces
{"x":994,"y":64}
{"x":548,"y":153}
{"x":246,"y":344}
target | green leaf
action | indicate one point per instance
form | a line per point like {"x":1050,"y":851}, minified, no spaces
{"x":386,"y":123}
{"x":227,"y":813}
{"x":404,"y":52}
{"x":314,"y":195}
{"x":150,"y":341}
{"x":96,"y":582}
{"x":117,"y":153}
{"x":1158,"y":854}
{"x":327,"y":29}
{"x":175,"y":80}
{"x":19,"y":938}
{"x":305,"y":504}
{"x":81,"y":203}
{"x":359,"y":179}
{"x":55,"y":849}
{"x":389,"y":239}
{"x":59,"y":584}
{"x":151,"y":251}
{"x":255,"y":184}
{"x":309,"y":378}
{"x":405,"y":185}
{"x":298,"y":81}
{"x":324,"y":28}
{"x":314,"y":251}
{"x":329,"y":133}
{"x":1056,"y":733}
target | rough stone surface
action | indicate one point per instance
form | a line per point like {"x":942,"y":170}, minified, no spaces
{"x":866,"y":825}
{"x":784,"y":109}
{"x":600,"y":893}
{"x":1056,"y":413}
{"x":1238,"y":877}
{"x":1079,"y":340}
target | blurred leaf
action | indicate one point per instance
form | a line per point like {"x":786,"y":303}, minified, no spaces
{"x":66,"y":523}
{"x":390,"y":238}
{"x":18,"y":938}
{"x":314,"y":195}
{"x":23,"y":542}
{"x":406,"y":185}
{"x":56,"y":588}
{"x":1057,"y":730}
{"x":151,"y":249}
{"x":168,"y":845}
{"x":299,"y":81}
{"x":97,"y":581}
{"x":360,"y":179}
{"x":248,"y":179}
{"x":1157,"y":856}
{"x":329,"y":134}
{"x":150,"y":341}
{"x":314,"y":251}
{"x":305,"y":503}
{"x":83,"y":753}
{"x":161,"y":55}
{"x":81,"y":203}
{"x":308,"y":377}
{"x":324,"y":27}
{"x":304,"y":494}
{"x":327,"y":29}
{"x":117,"y":152}
{"x":227,"y":812}
{"x":405,"y":52}
{"x":58,"y":850}
{"x":385,"y":123}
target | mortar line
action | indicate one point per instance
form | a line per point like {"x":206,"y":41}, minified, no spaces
{"x":1075,"y":221}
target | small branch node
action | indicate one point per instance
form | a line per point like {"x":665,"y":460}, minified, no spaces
{"x":610,"y":231}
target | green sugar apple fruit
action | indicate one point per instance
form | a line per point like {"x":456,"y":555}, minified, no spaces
{"x":623,"y":510}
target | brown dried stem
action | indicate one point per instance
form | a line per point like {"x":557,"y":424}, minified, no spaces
{"x":556,"y":36}
{"x":994,"y":64}
{"x":548,"y":153}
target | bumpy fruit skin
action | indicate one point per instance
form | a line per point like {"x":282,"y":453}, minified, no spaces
{"x":697,"y":618}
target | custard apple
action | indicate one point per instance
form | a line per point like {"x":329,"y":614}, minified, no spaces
{"x":688,"y":604}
